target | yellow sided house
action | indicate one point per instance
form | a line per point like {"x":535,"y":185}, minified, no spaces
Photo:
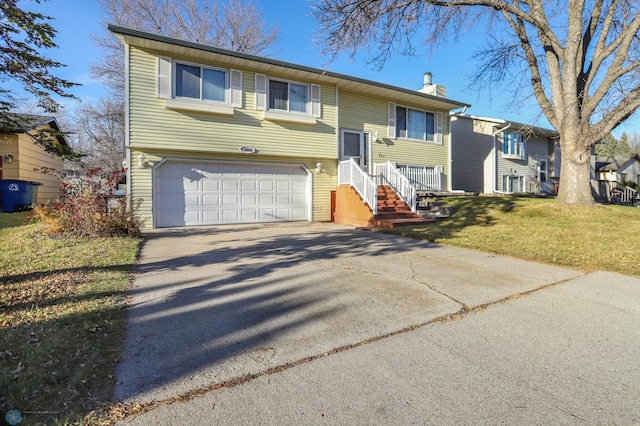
{"x":219,"y":137}
{"x":21,"y":156}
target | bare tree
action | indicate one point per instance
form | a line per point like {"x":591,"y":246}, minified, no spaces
{"x":634,"y":142}
{"x":100,"y":134}
{"x":237,"y":25}
{"x":581,"y":57}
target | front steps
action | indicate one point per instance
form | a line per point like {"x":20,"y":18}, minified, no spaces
{"x":350,"y":209}
{"x":393,"y":212}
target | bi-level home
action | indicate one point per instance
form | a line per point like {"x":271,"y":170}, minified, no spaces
{"x":218,"y":137}
{"x":496,"y":156}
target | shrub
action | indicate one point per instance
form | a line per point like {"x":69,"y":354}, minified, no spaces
{"x":93,"y":210}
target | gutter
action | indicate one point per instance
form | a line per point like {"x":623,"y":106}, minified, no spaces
{"x":495,"y":158}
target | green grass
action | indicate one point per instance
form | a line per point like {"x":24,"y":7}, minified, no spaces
{"x":12,"y":220}
{"x":604,"y":237}
{"x":62,"y":321}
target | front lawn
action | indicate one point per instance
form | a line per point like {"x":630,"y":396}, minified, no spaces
{"x":62,"y":321}
{"x":605,"y":237}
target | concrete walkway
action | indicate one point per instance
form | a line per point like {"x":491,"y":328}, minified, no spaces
{"x":211,"y":305}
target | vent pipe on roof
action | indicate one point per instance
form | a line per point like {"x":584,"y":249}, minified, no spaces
{"x":432,"y":89}
{"x":426,"y":79}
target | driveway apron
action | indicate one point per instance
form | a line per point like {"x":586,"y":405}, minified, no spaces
{"x":211,"y":304}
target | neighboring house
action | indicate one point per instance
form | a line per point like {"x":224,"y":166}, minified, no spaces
{"x":618,"y":168}
{"x":20,"y":155}
{"x":215,"y":136}
{"x":498,"y":156}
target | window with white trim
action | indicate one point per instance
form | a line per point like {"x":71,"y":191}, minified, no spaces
{"x":512,"y":183}
{"x":513,"y":145}
{"x":415,"y":124}
{"x":191,"y":86}
{"x":201,"y":83}
{"x":287,"y":100}
{"x":288,"y":96}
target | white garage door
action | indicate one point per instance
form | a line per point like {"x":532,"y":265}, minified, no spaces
{"x":203,"y":193}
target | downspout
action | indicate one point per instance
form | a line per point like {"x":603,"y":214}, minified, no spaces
{"x":495,"y":157}
{"x":450,"y":153}
{"x":127,"y":139}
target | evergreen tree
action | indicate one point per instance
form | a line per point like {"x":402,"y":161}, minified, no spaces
{"x":23,"y":35}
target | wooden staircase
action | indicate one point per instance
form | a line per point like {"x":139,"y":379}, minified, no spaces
{"x":393,"y":212}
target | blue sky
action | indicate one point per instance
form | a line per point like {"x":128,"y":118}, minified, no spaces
{"x":451,"y":64}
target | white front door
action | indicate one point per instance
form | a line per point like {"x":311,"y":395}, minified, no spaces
{"x":354,"y":146}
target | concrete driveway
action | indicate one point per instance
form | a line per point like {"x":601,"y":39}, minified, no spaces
{"x":328,"y":325}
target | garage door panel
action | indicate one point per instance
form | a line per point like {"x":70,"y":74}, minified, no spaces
{"x":267,"y":200}
{"x":211,"y":217}
{"x":298,"y":213}
{"x":191,"y":200}
{"x":266,"y":215}
{"x":193,"y":193}
{"x":210,"y":200}
{"x":249,"y":215}
{"x":298,"y":199}
{"x":283,"y":199}
{"x":231,"y":216}
{"x":211,"y":184}
{"x":230,"y":200}
{"x":249,"y":200}
{"x":267,"y":185}
{"x":249,"y":185}
{"x":230,"y":185}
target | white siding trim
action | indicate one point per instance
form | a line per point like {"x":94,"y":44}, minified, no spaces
{"x":235,"y":86}
{"x":316,"y":107}
{"x":392,"y":120}
{"x":200,"y":106}
{"x":286,"y":116}
{"x":164,"y":77}
{"x":438,"y":136}
{"x":261,"y":92}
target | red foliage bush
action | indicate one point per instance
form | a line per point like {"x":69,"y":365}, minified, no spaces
{"x":90,"y":210}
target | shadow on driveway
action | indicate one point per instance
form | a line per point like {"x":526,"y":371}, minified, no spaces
{"x":213,"y":303}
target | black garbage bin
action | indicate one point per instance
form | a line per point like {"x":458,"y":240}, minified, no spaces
{"x":18,"y":195}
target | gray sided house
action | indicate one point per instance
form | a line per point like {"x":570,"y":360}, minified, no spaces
{"x":618,"y":168}
{"x":498,"y":156}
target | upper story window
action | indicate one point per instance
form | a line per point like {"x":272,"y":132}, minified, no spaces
{"x":287,"y":96}
{"x":197,"y":87}
{"x":415,"y":124}
{"x":513,"y":145}
{"x":197,"y":82}
{"x":285,"y":100}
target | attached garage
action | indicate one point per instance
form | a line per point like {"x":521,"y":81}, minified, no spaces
{"x":189,"y":193}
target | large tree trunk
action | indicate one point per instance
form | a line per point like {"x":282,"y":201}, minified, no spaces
{"x":575,"y":179}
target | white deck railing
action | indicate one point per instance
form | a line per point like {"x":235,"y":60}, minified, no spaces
{"x":423,"y":178}
{"x":350,"y":173}
{"x":387,"y":174}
